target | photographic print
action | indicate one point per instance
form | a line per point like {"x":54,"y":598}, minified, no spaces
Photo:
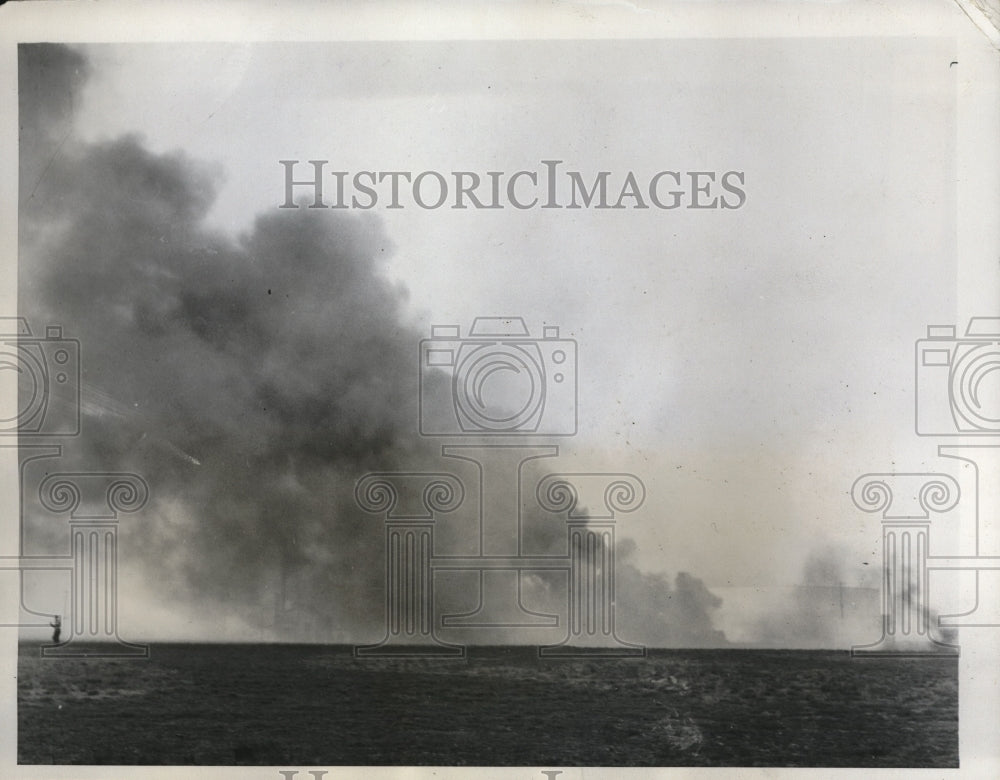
{"x":602,"y":387}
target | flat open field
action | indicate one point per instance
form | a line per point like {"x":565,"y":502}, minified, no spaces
{"x":317,"y":705}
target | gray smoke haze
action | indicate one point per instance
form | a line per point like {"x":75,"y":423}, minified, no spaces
{"x":664,"y":615}
{"x":649,"y":608}
{"x":251,"y":380}
{"x":836,"y":604}
{"x":48,"y":93}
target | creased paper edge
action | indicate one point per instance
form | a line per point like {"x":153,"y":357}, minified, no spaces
{"x":986,"y":16}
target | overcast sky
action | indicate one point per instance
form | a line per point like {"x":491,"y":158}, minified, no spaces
{"x":746,"y":364}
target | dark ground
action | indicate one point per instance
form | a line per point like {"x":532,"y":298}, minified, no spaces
{"x":317,"y":705}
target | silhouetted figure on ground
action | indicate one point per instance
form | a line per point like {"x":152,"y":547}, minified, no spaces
{"x":56,"y":629}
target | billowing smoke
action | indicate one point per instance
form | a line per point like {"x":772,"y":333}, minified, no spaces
{"x":251,"y":380}
{"x":665,"y":616}
{"x":649,"y":608}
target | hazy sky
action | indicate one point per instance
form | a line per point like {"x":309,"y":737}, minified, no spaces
{"x":747,"y":364}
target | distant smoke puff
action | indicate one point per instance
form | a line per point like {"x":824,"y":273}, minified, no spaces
{"x":649,"y":610}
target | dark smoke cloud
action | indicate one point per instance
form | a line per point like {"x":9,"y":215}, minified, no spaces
{"x":661,"y":615}
{"x":650,"y":609}
{"x":250,"y":380}
{"x":51,"y":78}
